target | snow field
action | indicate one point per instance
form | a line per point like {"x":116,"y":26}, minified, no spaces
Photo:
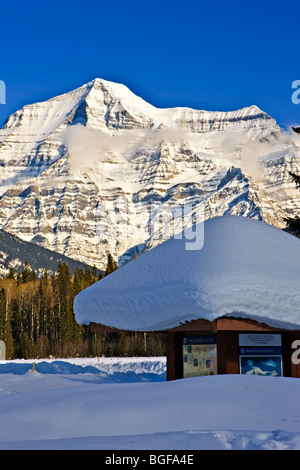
{"x":126,"y":403}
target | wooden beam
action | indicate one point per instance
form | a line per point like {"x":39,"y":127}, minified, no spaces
{"x":194,"y":325}
{"x":233,"y":324}
{"x":98,"y":328}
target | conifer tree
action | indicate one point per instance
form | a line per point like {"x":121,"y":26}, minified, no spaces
{"x":45,"y":318}
{"x":3,"y":314}
{"x":33,"y":275}
{"x":87,"y":277}
{"x":70,"y":330}
{"x":26,"y":272}
{"x":78,"y":281}
{"x":94,"y":271}
{"x":296,"y":179}
{"x":19,"y":278}
{"x":11,"y":274}
{"x":111,"y":266}
{"x":296,"y":130}
{"x":65,"y":307}
{"x":293,"y":223}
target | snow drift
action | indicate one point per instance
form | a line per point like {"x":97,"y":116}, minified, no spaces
{"x":246,"y":268}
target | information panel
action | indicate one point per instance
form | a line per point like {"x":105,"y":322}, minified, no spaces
{"x":2,"y":350}
{"x":260,"y":354}
{"x":199,"y":355}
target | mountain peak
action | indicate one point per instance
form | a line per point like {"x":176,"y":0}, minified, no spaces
{"x":149,"y":158}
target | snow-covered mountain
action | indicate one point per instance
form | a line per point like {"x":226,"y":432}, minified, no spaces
{"x":15,"y":253}
{"x":100,"y":170}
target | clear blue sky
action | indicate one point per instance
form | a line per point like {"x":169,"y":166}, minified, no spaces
{"x":213,"y":54}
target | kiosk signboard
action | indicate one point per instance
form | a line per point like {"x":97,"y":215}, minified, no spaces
{"x":199,"y":355}
{"x":2,"y":350}
{"x":260,"y":354}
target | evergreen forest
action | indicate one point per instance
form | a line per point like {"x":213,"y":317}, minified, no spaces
{"x":37,"y":318}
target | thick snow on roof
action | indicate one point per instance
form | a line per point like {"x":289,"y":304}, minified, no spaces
{"x":245,"y":268}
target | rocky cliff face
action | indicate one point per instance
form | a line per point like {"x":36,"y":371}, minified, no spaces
{"x":99,"y":170}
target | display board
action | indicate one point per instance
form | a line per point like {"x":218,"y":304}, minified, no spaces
{"x":199,"y":355}
{"x":2,"y":350}
{"x":260,"y":354}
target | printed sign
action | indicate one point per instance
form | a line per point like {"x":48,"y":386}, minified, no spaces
{"x":2,"y":350}
{"x":260,"y":354}
{"x":199,"y":356}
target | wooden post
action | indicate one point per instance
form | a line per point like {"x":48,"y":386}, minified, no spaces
{"x":171,"y":352}
{"x":228,"y":352}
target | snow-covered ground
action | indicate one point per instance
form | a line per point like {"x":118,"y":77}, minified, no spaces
{"x":126,"y":404}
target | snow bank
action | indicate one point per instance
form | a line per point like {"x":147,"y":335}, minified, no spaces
{"x":89,"y":410}
{"x":245,"y":268}
{"x":107,"y":368}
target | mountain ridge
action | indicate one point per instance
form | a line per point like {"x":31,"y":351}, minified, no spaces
{"x":93,"y":170}
{"x":15,"y":253}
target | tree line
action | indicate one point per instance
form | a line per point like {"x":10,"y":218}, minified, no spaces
{"x":37,"y":318}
